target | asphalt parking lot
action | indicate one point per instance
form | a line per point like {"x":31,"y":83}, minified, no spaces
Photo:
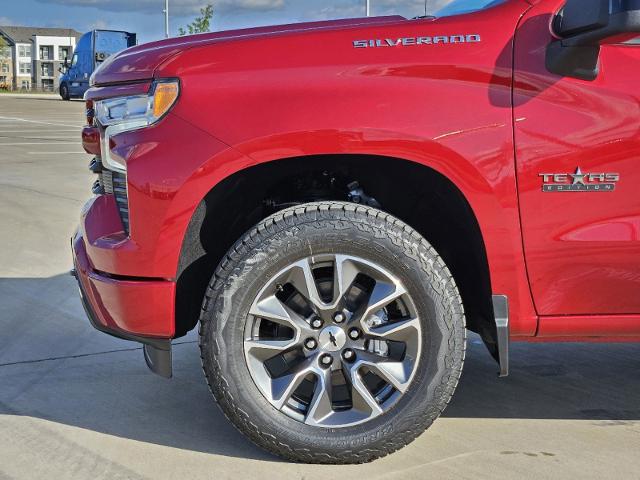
{"x":75,"y":403}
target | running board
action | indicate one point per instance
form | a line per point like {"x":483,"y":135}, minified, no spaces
{"x":501,"y":316}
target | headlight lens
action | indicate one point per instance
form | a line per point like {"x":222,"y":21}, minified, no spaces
{"x":124,"y":114}
{"x":141,"y":109}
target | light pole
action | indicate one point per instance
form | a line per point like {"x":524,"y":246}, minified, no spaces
{"x":368,"y":7}
{"x":166,"y":18}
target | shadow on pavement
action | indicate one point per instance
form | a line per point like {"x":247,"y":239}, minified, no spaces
{"x":94,"y":382}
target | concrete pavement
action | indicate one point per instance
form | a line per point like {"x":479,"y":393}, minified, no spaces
{"x":75,"y":403}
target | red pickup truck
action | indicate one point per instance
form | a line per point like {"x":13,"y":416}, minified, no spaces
{"x":336,"y":203}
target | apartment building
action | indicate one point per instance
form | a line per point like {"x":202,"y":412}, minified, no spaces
{"x":37,"y":55}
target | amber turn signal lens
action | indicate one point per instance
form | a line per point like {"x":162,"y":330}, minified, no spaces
{"x":164,"y":96}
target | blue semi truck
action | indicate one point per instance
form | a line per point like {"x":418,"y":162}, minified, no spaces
{"x":92,"y":49}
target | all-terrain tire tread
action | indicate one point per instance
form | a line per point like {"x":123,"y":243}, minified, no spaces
{"x":414,"y":246}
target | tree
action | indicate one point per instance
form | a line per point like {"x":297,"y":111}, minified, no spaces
{"x":4,"y":47}
{"x":5,"y":55}
{"x":200,"y":24}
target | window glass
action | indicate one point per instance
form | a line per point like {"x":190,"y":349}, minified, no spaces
{"x":46,"y":53}
{"x":24,"y":50}
{"x":63,"y":52}
{"x":456,"y":7}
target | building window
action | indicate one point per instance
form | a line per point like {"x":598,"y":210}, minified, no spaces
{"x":64,"y":52}
{"x":47,"y":85}
{"x":25,"y":68}
{"x":47,"y":69}
{"x":5,"y":68}
{"x":25,"y":84}
{"x":46,"y":53}
{"x":24,"y":50}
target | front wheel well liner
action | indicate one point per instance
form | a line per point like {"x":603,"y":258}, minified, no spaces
{"x":414,"y":193}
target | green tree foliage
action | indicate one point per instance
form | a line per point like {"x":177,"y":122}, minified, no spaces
{"x":4,"y":48}
{"x":200,"y":24}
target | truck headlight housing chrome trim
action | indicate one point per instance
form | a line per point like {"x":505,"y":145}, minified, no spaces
{"x":124,"y":114}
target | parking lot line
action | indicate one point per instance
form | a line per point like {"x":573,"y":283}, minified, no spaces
{"x":57,"y":153}
{"x":36,"y":130}
{"x":56,"y":124}
{"x":36,"y":143}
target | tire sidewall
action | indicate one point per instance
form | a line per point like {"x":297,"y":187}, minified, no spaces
{"x":406,"y":256}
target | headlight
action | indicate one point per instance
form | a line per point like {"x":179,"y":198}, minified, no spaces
{"x":124,"y":114}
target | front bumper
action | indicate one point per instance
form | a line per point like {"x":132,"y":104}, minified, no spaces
{"x":127,"y":249}
{"x":128,"y":309}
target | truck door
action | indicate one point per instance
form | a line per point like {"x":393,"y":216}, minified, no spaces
{"x":578,"y":170}
{"x":72,"y":75}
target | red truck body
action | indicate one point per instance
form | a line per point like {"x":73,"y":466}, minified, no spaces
{"x":494,"y":154}
{"x":487,"y":115}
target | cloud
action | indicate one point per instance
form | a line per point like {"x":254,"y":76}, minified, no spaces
{"x":6,"y":21}
{"x":176,"y":7}
{"x":99,"y":24}
{"x":339,"y":11}
{"x":414,"y":7}
{"x":351,"y":8}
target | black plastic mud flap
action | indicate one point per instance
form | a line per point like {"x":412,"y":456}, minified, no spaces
{"x":158,"y":357}
{"x":501,"y":315}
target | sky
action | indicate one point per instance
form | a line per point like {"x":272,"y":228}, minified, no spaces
{"x":145,"y":17}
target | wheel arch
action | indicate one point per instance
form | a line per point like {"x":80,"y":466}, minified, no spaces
{"x":418,"y":194}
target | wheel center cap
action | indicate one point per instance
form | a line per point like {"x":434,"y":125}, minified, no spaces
{"x":332,"y":338}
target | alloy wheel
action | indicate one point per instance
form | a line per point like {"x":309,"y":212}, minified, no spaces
{"x":333,"y":340}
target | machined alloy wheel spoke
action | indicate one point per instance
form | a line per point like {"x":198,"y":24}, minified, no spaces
{"x":382,"y":295}
{"x":301,"y":277}
{"x":345,"y":272}
{"x":398,"y":331}
{"x":282,"y":387}
{"x":265,"y":349}
{"x":397,"y":374}
{"x":320,"y":406}
{"x":362,"y":398}
{"x":271,"y":308}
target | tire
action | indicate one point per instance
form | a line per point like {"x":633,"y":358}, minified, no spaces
{"x":64,"y":92}
{"x":360,"y":234}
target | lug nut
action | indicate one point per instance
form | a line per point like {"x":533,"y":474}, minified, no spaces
{"x":349,"y":355}
{"x":354,"y":334}
{"x":310,"y":343}
{"x":316,"y":323}
{"x":339,"y":317}
{"x":326,"y":360}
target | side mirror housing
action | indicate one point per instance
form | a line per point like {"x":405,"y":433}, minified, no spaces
{"x":583,"y":25}
{"x":582,"y":16}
